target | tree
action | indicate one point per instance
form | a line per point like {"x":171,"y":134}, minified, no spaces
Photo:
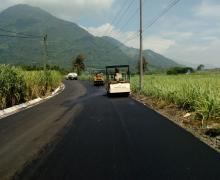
{"x":200,"y":67}
{"x":78,"y":64}
{"x":145,"y":64}
{"x":180,"y":70}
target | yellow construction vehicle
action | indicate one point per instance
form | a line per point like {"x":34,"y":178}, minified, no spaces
{"x":98,"y":79}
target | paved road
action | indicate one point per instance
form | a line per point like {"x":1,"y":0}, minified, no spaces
{"x":22,"y":135}
{"x":115,"y":138}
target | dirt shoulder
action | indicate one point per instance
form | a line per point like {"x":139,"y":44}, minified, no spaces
{"x":206,"y":133}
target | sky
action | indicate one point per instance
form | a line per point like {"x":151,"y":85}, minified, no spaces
{"x":189,"y":33}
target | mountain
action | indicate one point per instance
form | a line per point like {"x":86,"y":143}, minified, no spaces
{"x":155,"y":60}
{"x":65,"y":41}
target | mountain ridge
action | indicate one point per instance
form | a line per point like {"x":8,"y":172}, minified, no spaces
{"x":65,"y":41}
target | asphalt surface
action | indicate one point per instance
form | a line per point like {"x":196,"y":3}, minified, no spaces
{"x":115,"y":139}
{"x":24,"y":134}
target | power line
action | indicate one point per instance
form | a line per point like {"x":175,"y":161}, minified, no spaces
{"x":12,"y":36}
{"x":116,"y":16}
{"x":19,"y":33}
{"x":127,"y":22}
{"x":120,"y":14}
{"x":154,"y":20}
{"x":127,"y":40}
{"x":141,"y":47}
{"x":126,"y":10}
{"x":129,"y":19}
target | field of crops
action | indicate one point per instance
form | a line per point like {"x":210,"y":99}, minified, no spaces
{"x":199,"y":93}
{"x":17,"y":85}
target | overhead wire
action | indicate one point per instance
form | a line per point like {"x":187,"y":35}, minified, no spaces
{"x":127,"y":40}
{"x":127,"y":22}
{"x":147,"y":26}
{"x":13,"y":36}
{"x":118,"y":15}
{"x":154,"y":20}
{"x":120,"y":18}
{"x":19,"y":33}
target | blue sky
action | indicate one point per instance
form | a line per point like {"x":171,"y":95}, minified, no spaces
{"x":189,"y":32}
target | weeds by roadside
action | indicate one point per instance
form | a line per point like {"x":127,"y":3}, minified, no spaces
{"x":17,"y":85}
{"x":199,"y":94}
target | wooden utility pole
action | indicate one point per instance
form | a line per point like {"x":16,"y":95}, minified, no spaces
{"x":45,"y":52}
{"x":141,"y":47}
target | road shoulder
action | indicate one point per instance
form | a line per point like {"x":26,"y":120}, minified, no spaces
{"x":180,"y":118}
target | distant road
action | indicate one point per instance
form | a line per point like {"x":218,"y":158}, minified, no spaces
{"x":100,"y":138}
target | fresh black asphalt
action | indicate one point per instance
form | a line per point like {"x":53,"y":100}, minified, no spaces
{"x":118,"y":138}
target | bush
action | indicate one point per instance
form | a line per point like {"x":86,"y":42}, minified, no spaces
{"x":180,"y":70}
{"x":17,"y":85}
{"x":12,"y":86}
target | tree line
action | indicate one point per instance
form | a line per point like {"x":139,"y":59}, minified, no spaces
{"x":78,"y":66}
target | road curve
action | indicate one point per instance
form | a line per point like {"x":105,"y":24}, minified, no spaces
{"x":23,"y":135}
{"x":110,"y":138}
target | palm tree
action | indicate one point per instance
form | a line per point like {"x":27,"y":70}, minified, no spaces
{"x":78,"y":64}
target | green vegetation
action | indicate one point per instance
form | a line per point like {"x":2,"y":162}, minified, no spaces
{"x":78,"y":64}
{"x":27,"y":67}
{"x":198,"y":93}
{"x":85,"y":76}
{"x":12,"y":87}
{"x":145,"y":65}
{"x":65,"y":40}
{"x":180,"y":70}
{"x":18,"y":86}
{"x":200,"y":67}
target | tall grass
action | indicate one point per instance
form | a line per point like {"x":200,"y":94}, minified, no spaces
{"x":195,"y":93}
{"x":40,"y":83}
{"x":12,"y":86}
{"x":17,"y":85}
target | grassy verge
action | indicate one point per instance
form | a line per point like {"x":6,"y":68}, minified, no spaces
{"x":198,"y":93}
{"x":17,"y":85}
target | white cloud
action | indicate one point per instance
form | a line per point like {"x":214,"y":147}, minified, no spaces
{"x":197,"y":53}
{"x":180,"y":35}
{"x":176,"y":45}
{"x":68,"y":9}
{"x":154,"y":43}
{"x":158,"y":44}
{"x":102,"y":30}
{"x":208,"y":10}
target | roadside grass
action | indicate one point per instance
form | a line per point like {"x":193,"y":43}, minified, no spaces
{"x":18,"y":86}
{"x":197,"y":93}
{"x":40,"y":83}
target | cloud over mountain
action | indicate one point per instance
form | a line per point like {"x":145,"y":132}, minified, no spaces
{"x":67,"y":9}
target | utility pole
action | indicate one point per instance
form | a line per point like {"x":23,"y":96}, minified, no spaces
{"x":141,"y":46}
{"x":45,"y":52}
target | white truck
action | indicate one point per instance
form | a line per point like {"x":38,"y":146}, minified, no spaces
{"x":72,"y":76}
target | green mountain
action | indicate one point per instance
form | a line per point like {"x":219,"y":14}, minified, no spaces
{"x":155,"y":60}
{"x":65,"y":41}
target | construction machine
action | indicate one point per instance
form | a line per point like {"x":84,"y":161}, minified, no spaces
{"x":118,"y":80}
